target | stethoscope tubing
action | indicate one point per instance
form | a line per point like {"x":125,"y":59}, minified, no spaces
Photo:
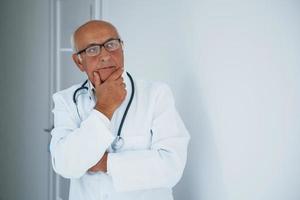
{"x":128,"y":105}
{"x":118,"y":141}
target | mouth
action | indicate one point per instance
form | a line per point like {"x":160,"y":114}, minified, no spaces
{"x":108,"y":67}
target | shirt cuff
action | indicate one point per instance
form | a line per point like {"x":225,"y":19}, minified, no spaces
{"x":103,"y":118}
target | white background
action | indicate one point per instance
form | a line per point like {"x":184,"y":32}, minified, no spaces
{"x":234,"y":68}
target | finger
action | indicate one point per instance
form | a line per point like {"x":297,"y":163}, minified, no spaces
{"x":116,"y":74}
{"x":97,"y":79}
{"x":119,"y":81}
{"x":124,"y":94}
{"x":92,"y":169}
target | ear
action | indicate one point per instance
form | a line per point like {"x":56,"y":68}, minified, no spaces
{"x":122,"y":44}
{"x":78,"y":61}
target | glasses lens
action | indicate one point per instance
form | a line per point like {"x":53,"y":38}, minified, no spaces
{"x":93,"y":50}
{"x":112,"y":45}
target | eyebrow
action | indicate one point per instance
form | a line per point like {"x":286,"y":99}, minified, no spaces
{"x":93,"y":44}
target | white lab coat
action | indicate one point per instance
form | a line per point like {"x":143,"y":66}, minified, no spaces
{"x":151,"y":161}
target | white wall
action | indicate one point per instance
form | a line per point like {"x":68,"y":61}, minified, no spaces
{"x":233,"y":66}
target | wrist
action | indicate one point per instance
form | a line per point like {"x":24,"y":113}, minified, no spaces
{"x":107,"y":112}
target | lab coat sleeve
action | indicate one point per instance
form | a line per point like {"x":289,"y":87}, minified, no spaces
{"x":161,"y":166}
{"x":76,"y":147}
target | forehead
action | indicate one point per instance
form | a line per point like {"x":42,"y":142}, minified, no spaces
{"x":94,"y":33}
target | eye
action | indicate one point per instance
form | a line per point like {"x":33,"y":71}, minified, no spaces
{"x":112,"y":45}
{"x":93,"y":50}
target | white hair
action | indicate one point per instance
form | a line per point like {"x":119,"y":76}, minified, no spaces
{"x":74,"y":48}
{"x":72,"y":40}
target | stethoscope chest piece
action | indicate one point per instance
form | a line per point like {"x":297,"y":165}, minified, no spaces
{"x":117,"y":144}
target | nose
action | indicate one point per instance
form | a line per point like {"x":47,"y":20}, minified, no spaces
{"x":104,"y":55}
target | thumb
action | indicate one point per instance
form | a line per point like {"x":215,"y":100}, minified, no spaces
{"x":97,"y":79}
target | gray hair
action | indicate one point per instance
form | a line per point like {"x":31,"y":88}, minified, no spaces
{"x":72,"y":40}
{"x":74,"y":48}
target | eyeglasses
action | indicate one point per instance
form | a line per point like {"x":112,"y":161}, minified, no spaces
{"x":95,"y":49}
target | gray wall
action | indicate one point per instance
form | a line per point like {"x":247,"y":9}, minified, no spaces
{"x":24,"y":99}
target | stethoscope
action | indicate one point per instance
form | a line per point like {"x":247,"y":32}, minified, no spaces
{"x":118,"y":142}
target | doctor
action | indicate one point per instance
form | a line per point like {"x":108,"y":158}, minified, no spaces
{"x":115,"y":137}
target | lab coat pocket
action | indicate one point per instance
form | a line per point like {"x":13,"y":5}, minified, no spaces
{"x":137,"y":142}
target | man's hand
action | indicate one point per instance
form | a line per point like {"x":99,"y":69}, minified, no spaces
{"x":111,"y":93}
{"x":101,"y":165}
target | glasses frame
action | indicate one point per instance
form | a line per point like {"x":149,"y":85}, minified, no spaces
{"x":100,"y":45}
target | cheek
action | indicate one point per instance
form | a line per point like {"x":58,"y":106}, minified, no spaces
{"x":89,"y":70}
{"x":90,"y":65}
{"x":119,"y":60}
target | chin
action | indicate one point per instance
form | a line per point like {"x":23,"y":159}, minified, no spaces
{"x":104,"y":75}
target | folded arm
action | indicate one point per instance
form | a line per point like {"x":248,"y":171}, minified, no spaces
{"x":76,"y":149}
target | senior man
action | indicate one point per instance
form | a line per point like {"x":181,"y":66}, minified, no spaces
{"x":115,"y":137}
